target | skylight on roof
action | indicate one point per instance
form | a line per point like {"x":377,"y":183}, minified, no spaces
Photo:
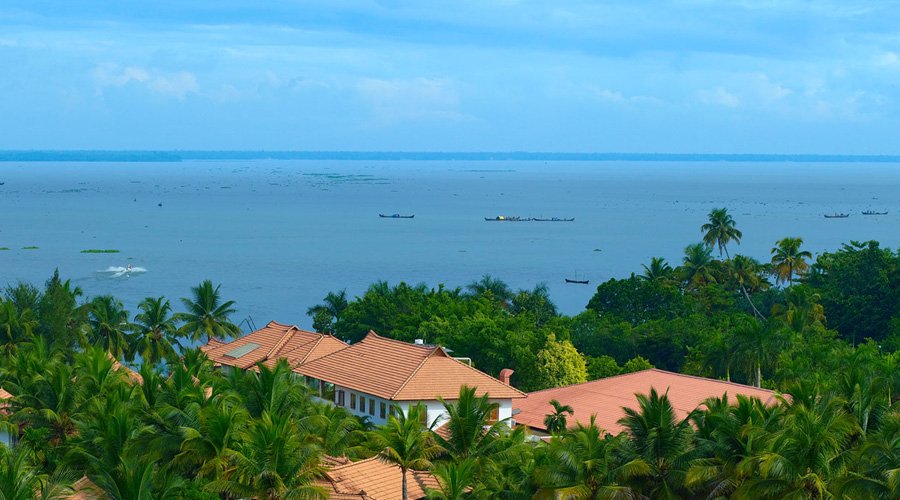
{"x":242,"y":350}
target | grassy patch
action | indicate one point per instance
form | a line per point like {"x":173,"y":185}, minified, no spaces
{"x":100,"y":250}
{"x":31,"y":248}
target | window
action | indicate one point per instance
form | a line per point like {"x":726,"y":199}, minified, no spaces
{"x":495,"y":415}
{"x":383,"y":409}
{"x":340,"y":398}
{"x":352,"y":400}
{"x":392,"y":410}
{"x":423,"y":417}
{"x":371,"y":407}
{"x":362,"y":404}
{"x":327,"y":389}
{"x":312,"y":384}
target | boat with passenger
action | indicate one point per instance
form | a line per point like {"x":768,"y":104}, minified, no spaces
{"x":872,"y":212}
{"x":396,"y":216}
{"x":836,"y":216}
{"x":508,"y":218}
{"x":554,"y":219}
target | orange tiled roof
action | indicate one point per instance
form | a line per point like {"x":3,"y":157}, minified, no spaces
{"x":275,"y":341}
{"x":607,"y":396}
{"x":134,"y":376}
{"x":372,"y":479}
{"x":400,"y":371}
{"x":4,"y":394}
{"x":85,"y":490}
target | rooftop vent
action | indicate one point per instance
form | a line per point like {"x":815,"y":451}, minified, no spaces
{"x":420,"y":341}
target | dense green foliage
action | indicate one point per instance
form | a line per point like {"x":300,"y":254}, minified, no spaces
{"x":822,"y":331}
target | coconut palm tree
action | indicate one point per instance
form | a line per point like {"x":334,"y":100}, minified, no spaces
{"x":210,"y":440}
{"x":492,"y":287}
{"x":273,"y":461}
{"x":555,"y":422}
{"x":720,"y":230}
{"x":135,"y":478}
{"x":745,"y":272}
{"x":16,"y":326}
{"x":801,"y":310}
{"x":661,"y":441}
{"x":583,"y":464}
{"x":878,"y":471}
{"x":108,"y":325}
{"x":471,"y":431}
{"x":659,"y":269}
{"x":457,"y":480}
{"x":805,"y":455}
{"x":697,"y":265}
{"x":758,"y":344}
{"x":155,"y":334}
{"x":206,"y":314}
{"x":19,"y":480}
{"x":789,"y":260}
{"x":326,"y":314}
{"x":404,"y":442}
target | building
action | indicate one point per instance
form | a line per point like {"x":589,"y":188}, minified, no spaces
{"x":606,"y":397}
{"x":368,"y":377}
{"x":269,"y":344}
{"x":372,"y":479}
{"x":6,"y":438}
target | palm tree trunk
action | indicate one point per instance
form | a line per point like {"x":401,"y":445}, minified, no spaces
{"x":404,"y":483}
{"x":758,"y":374}
{"x":752,"y":305}
{"x":728,"y":373}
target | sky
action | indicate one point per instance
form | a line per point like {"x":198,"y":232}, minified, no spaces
{"x":654,"y":76}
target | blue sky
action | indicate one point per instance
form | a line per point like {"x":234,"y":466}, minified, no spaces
{"x":488,"y":75}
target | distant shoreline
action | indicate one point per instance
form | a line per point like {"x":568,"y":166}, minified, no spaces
{"x":177,"y":156}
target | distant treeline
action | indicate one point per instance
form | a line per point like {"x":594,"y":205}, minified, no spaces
{"x":174,"y":156}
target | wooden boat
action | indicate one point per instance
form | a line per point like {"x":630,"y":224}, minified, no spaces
{"x":872,"y":212}
{"x":396,"y":216}
{"x":836,"y":216}
{"x":578,"y":282}
{"x":504,"y":218}
{"x":554,"y":219}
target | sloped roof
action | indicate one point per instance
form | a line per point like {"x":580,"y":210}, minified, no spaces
{"x":607,"y":396}
{"x":372,"y":479}
{"x":85,"y":490}
{"x":134,"y":376}
{"x":273,"y":342}
{"x":4,"y":394}
{"x":400,"y":371}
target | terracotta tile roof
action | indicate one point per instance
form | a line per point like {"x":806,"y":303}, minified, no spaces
{"x":4,"y":394}
{"x":400,"y":371}
{"x":134,"y":376}
{"x":373,"y":479}
{"x":85,"y":490}
{"x":273,"y":342}
{"x":606,"y":397}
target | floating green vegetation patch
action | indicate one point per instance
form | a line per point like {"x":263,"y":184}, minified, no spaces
{"x":31,"y":248}
{"x":4,"y":248}
{"x":99,"y":250}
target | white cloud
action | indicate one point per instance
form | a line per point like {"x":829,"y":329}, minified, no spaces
{"x":173,"y":84}
{"x":888,"y":60}
{"x":720,"y":97}
{"x":410,"y":99}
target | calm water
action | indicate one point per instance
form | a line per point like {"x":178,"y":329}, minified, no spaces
{"x":279,"y":235}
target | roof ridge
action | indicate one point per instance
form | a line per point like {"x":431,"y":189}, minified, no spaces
{"x":476,"y":370}
{"x":284,"y":338}
{"x":713,"y":380}
{"x":397,"y":341}
{"x":414,"y":372}
{"x":658,"y":370}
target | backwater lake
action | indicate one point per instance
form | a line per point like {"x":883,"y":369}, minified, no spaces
{"x":280,"y":234}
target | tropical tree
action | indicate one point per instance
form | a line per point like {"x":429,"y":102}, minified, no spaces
{"x":758,"y":344}
{"x":697,"y":267}
{"x":207,"y":314}
{"x":273,"y":461}
{"x":584,"y":464}
{"x":471,"y":425}
{"x":801,"y":310}
{"x":788,"y":260}
{"x":745,"y":272}
{"x":720,"y":230}
{"x":555,"y":422}
{"x":806,"y":454}
{"x":108,"y":325}
{"x":658,"y":269}
{"x":155,"y":334}
{"x":457,"y":480}
{"x":661,"y":442}
{"x":489,"y":286}
{"x":19,"y":480}
{"x":16,"y":327}
{"x":326,"y":314}
{"x":404,"y":442}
